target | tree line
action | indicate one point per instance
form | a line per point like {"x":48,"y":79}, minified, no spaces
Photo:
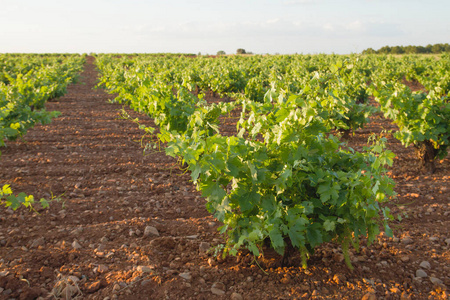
{"x":429,"y":49}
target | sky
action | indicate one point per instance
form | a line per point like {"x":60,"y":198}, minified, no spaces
{"x":207,"y":26}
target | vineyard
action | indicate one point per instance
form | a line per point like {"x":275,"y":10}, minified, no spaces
{"x":236,"y":177}
{"x":26,"y":83}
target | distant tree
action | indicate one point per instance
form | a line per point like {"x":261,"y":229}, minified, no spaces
{"x":397,"y":50}
{"x":221,"y":52}
{"x":369,"y":51}
{"x":384,"y":50}
{"x":446,"y":48}
{"x":421,"y":49}
{"x":437,"y":48}
{"x":410,"y":50}
{"x":240,"y":51}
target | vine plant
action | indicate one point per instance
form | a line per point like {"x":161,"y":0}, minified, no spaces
{"x":283,"y":179}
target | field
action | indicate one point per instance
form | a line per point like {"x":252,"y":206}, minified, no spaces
{"x":133,"y":226}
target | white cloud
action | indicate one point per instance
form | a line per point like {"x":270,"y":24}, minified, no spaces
{"x":328,"y":27}
{"x":8,"y":8}
{"x":355,"y":26}
{"x":366,"y":28}
{"x":273,"y":21}
{"x":384,"y":29}
{"x":196,"y":32}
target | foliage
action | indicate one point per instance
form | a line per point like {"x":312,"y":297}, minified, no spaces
{"x":283,"y":177}
{"x":435,"y":49}
{"x":421,"y":117}
{"x":9,"y":199}
{"x":298,"y":187}
{"x":26,"y":87}
{"x":26,"y":83}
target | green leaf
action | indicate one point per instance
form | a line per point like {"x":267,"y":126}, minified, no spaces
{"x":256,"y":128}
{"x":388,"y":231}
{"x":314,"y":236}
{"x":213,"y":192}
{"x":248,"y":200}
{"x":324,"y":191}
{"x":253,"y":248}
{"x":277,"y":240}
{"x":196,"y":170}
{"x":297,"y":235}
{"x":329,"y":225}
{"x":375,"y":187}
{"x":44,"y":203}
{"x":234,"y":166}
{"x":268,"y":203}
{"x":12,"y":201}
{"x":253,"y":171}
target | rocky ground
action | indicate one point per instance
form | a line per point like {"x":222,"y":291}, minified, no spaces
{"x":132,"y":226}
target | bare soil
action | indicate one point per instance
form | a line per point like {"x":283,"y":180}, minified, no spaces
{"x":132,"y":226}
